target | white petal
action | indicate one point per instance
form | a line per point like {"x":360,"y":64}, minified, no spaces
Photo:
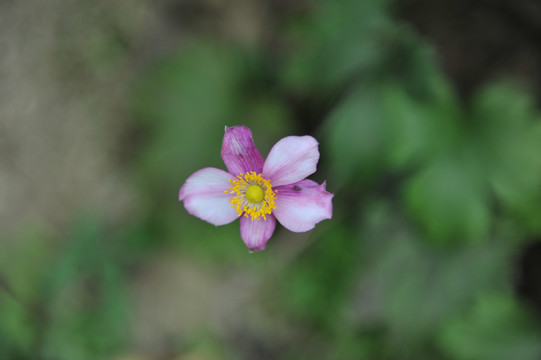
{"x":239,"y":152}
{"x":203,"y":196}
{"x":300,"y":206}
{"x":291,"y":159}
{"x":256,"y":233}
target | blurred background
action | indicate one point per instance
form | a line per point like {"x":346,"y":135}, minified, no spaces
{"x":427,"y":114}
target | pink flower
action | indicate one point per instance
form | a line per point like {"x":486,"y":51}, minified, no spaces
{"x":262,"y":191}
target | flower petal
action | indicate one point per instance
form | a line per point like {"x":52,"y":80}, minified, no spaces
{"x":203,"y":196}
{"x":256,"y":233}
{"x":239,"y":152}
{"x":291,"y":159}
{"x":300,"y":206}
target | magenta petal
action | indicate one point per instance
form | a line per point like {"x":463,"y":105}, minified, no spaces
{"x":256,"y":233}
{"x":300,"y":206}
{"x":203,"y":196}
{"x":239,"y":152}
{"x":291,"y":159}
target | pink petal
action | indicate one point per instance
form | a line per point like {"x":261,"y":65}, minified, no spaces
{"x":300,"y":206}
{"x":239,"y":152}
{"x":204,"y":197}
{"x":291,"y":159}
{"x":256,"y":233}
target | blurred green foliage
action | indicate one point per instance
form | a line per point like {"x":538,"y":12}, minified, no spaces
{"x":434,"y":198}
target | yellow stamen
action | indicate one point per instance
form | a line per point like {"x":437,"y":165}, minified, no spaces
{"x":252,"y":195}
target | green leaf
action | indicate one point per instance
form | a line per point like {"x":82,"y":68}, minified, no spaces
{"x":411,"y":287}
{"x":449,"y":198}
{"x":87,"y":301}
{"x":314,"y":288}
{"x":339,"y":40}
{"x":495,"y":328}
{"x":506,"y":127}
{"x":17,"y":335}
{"x":418,"y":129}
{"x":357,"y":134}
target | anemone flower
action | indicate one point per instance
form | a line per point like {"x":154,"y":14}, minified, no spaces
{"x":262,"y":191}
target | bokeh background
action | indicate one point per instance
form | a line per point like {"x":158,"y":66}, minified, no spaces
{"x":427,"y":114}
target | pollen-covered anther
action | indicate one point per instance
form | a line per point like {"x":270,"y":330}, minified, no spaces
{"x":252,"y":195}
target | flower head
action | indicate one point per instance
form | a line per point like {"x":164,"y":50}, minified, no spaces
{"x":260,"y":192}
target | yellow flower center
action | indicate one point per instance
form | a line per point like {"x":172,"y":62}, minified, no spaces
{"x":252,"y":195}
